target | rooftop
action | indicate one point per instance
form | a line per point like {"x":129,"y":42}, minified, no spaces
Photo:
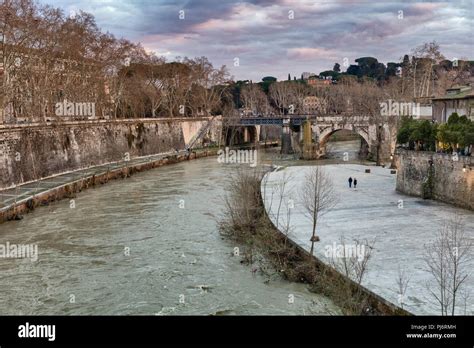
{"x":457,"y":92}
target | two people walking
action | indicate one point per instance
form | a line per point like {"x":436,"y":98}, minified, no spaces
{"x":352,"y":181}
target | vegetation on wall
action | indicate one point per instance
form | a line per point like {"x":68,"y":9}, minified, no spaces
{"x":427,"y":188}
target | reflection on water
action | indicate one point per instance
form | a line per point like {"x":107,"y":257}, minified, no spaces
{"x":142,"y":246}
{"x":349,"y":149}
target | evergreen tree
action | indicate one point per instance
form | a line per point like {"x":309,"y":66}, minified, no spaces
{"x":406,"y":60}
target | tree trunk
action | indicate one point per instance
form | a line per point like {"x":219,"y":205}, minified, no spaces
{"x":379,"y":145}
{"x":313,"y":237}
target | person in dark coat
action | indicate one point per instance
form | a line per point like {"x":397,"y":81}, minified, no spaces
{"x":350,"y":182}
{"x":355,"y":182}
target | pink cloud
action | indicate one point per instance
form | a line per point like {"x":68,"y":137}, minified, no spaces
{"x":427,"y":6}
{"x":307,"y":53}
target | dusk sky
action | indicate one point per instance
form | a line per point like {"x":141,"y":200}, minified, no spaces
{"x":284,"y":36}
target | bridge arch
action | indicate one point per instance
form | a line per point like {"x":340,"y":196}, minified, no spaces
{"x":324,"y":134}
{"x":238,"y":135}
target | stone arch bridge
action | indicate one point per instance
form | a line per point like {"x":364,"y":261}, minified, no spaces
{"x":321,"y":128}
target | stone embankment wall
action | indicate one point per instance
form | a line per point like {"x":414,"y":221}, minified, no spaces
{"x":453,"y":180}
{"x":29,"y":152}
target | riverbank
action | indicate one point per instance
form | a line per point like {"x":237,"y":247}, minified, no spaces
{"x":25,"y":198}
{"x":400,"y":227}
{"x":247,"y":222}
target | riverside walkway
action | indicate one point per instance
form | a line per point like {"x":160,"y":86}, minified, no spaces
{"x":24,"y":192}
{"x":20,"y":194}
{"x":401,"y":226}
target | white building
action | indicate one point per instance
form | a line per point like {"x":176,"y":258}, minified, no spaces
{"x":459,"y":99}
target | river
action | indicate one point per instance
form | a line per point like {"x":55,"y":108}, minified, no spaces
{"x":146,"y":245}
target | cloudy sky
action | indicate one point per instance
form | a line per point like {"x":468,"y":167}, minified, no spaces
{"x":257,"y":38}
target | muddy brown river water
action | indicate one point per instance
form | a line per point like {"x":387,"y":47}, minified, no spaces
{"x":147,"y":245}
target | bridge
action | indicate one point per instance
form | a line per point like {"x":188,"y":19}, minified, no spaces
{"x":294,"y":137}
{"x":270,"y":120}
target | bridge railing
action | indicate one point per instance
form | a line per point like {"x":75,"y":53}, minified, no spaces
{"x":295,"y":119}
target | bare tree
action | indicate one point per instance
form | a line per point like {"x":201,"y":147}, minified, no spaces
{"x":281,"y":94}
{"x":465,"y":295}
{"x":352,"y":259}
{"x":282,"y":193}
{"x":424,"y":59}
{"x":244,"y":199}
{"x":447,"y":260}
{"x":318,"y":197}
{"x":402,"y":284}
{"x":176,"y":77}
{"x":254,"y":99}
{"x":50,"y":57}
{"x":151,"y":83}
{"x":298,"y":93}
{"x":208,"y":85}
{"x":366,"y":101}
{"x":289,"y":96}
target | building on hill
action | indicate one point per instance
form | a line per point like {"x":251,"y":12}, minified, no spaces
{"x":315,"y":81}
{"x":306,"y":75}
{"x":459,"y":99}
{"x":313,"y":105}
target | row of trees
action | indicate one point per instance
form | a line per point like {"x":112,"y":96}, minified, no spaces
{"x":423,"y":73}
{"x":457,"y":135}
{"x":49,"y":57}
{"x":286,"y":97}
{"x":185,"y":87}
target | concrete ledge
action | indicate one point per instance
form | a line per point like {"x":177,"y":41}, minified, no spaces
{"x":68,"y":123}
